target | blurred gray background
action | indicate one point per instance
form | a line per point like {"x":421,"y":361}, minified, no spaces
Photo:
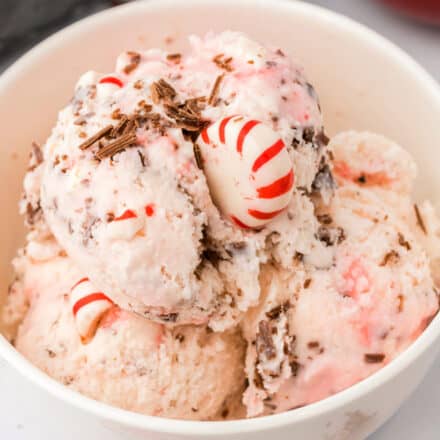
{"x":23,"y":24}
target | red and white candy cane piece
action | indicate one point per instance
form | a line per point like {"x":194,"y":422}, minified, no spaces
{"x":108,"y":85}
{"x":110,"y":79}
{"x":248,"y":169}
{"x":88,"y":307}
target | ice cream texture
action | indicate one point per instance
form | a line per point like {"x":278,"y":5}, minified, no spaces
{"x":141,"y":284}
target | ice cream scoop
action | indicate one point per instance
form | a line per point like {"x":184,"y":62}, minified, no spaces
{"x":123,"y":195}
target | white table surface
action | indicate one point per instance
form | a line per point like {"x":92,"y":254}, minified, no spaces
{"x":29,"y":413}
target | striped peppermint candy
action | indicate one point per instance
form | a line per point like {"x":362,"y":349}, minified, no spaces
{"x":248,"y":169}
{"x":88,"y":306}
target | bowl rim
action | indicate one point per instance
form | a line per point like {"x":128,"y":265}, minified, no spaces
{"x":219,"y":428}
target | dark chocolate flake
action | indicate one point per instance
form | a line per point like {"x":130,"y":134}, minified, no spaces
{"x":198,"y":156}
{"x":374,"y":358}
{"x":390,"y":257}
{"x":169,"y":317}
{"x":215,"y":89}
{"x":322,"y":139}
{"x":419,"y":218}
{"x":403,"y":242}
{"x":308,"y":134}
{"x":135,"y":59}
{"x":174,"y":57}
{"x":264,"y":341}
{"x":118,"y":145}
{"x":294,"y":368}
{"x":307,"y":283}
{"x":162,"y":91}
{"x":96,"y":137}
{"x":325,"y":219}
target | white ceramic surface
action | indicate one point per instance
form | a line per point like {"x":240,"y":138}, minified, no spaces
{"x":364,"y":82}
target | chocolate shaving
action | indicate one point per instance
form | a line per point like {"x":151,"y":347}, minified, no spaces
{"x":116,"y":113}
{"x":258,"y":380}
{"x":325,"y":219}
{"x":277,"y":310}
{"x":194,"y":105}
{"x":119,"y":128}
{"x":37,"y":152}
{"x":174,"y":57}
{"x":313,"y":344}
{"x":420,"y":221}
{"x":215,"y":89}
{"x":169,"y":317}
{"x":184,"y":118}
{"x":33,"y":213}
{"x":403,"y":242}
{"x":36,"y":157}
{"x":129,"y":127}
{"x":322,"y":139}
{"x":264,"y":341}
{"x":198,"y":156}
{"x":100,"y":134}
{"x":308,"y":134}
{"x":274,"y":313}
{"x":294,"y":368}
{"x":126,"y":140}
{"x":142,"y":158}
{"x":390,"y":257}
{"x":179,"y":337}
{"x":374,"y":358}
{"x":135,"y":59}
{"x":161,"y":90}
{"x":138,"y":84}
{"x":81,"y":120}
{"x":223,"y":63}
{"x":307,"y":283}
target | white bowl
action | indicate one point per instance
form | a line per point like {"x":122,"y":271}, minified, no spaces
{"x":364,"y":82}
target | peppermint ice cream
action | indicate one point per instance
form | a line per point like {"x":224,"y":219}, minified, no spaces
{"x":193,"y":235}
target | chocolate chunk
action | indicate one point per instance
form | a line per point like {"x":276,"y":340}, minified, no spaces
{"x":258,"y":380}
{"x":362,"y":179}
{"x":325,"y":219}
{"x":307,"y":283}
{"x":264,"y":341}
{"x":294,"y":368}
{"x":274,"y":313}
{"x":174,"y":57}
{"x":330,"y":236}
{"x":308,"y":134}
{"x":324,"y":180}
{"x":322,"y":139}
